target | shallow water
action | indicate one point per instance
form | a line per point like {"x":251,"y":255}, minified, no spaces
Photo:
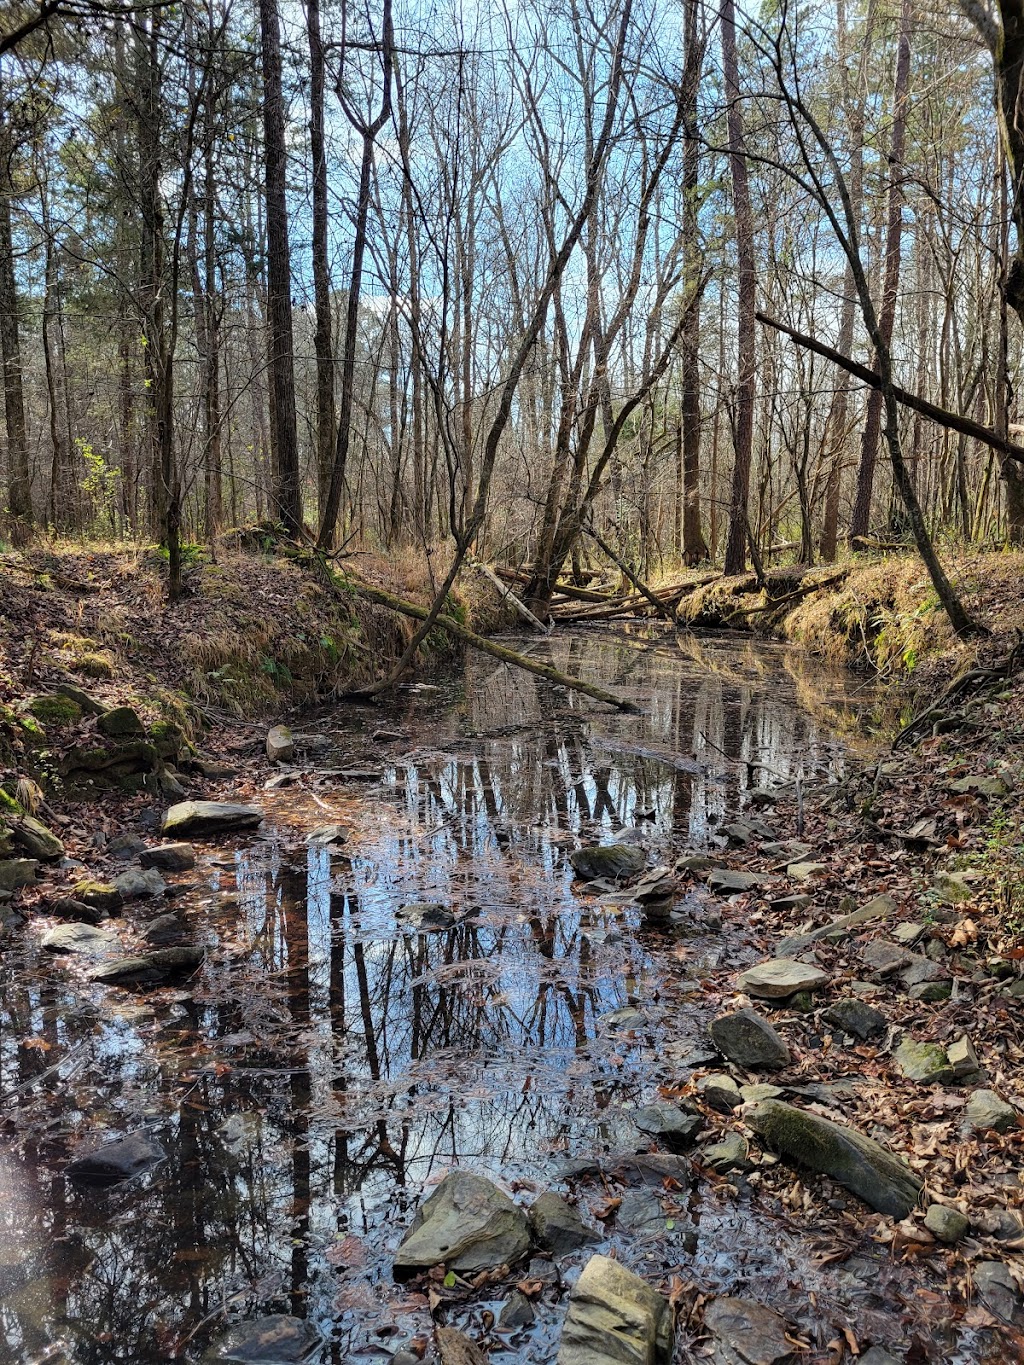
{"x":331,"y":1061}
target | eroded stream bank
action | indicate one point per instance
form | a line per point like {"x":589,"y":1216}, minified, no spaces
{"x":430,"y":988}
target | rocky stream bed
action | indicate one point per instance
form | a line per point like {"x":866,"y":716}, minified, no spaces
{"x":493,"y":1026}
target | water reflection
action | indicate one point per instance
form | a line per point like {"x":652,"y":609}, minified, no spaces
{"x":332,"y":1059}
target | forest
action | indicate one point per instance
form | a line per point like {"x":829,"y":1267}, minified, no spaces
{"x":511,"y":727}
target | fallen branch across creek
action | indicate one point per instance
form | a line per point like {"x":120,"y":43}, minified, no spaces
{"x":470,"y":637}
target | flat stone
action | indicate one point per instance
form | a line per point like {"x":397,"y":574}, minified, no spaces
{"x":856,"y":1017}
{"x":116,"y":1161}
{"x":781,"y":977}
{"x":922,"y":970}
{"x":980,"y":784}
{"x":149,"y":969}
{"x":885,"y":958}
{"x":753,"y":1093}
{"x":931,"y":992}
{"x":83,"y":940}
{"x":36,"y":839}
{"x":859,"y":1163}
{"x":720,"y":1092}
{"x":749,"y":1040}
{"x":657,"y":885}
{"x":467,"y":1224}
{"x":210,"y":817}
{"x":614,"y":861}
{"x":103,"y":895}
{"x":280,"y":744}
{"x":985,"y":1110}
{"x":926,"y":1063}
{"x":169,"y":857}
{"x":952,"y":888}
{"x":120,"y":723}
{"x":676,"y":1127}
{"x":615,"y":1318}
{"x":908,"y":934}
{"x":998,"y":1290}
{"x":790,"y":849}
{"x":803,"y":872}
{"x":328,"y":834}
{"x":516,"y":1311}
{"x":134,"y":884}
{"x":750,"y":1333}
{"x":214,"y":770}
{"x":948,"y":1225}
{"x":726,"y":881}
{"x":1000,"y":1224}
{"x":17,"y":872}
{"x":694,"y":862}
{"x":89,"y":705}
{"x":557,"y":1227}
{"x":626,"y":1017}
{"x":963,"y":1058}
{"x":275,"y":1340}
{"x":731,"y":1154}
{"x":879,"y":907}
{"x":429,"y":917}
{"x":125,"y":846}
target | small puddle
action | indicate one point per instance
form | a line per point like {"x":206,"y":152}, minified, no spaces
{"x":332,"y":1060}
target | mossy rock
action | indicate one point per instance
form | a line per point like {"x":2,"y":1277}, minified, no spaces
{"x":100,"y":895}
{"x":92,"y":758}
{"x":168,"y":738}
{"x":36,"y":839}
{"x":93,"y":665}
{"x":122,"y":722}
{"x":55,"y":710}
{"x":879,"y":1177}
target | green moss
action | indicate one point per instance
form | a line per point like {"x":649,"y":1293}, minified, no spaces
{"x":8,"y":803}
{"x":93,"y":665}
{"x":55,"y":710}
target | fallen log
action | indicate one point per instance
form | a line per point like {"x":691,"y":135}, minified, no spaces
{"x":461,"y":632}
{"x":507,"y":595}
{"x":660,"y":607}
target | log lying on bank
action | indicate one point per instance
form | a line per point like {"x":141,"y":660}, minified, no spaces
{"x":470,"y":637}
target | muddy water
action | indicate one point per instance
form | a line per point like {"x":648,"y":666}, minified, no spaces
{"x":333,"y":1059}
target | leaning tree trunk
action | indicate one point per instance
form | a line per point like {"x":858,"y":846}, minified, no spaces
{"x":736,"y":544}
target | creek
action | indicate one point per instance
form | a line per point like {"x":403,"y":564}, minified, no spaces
{"x":338,"y":1052}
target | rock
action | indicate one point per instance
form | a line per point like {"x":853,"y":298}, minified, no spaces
{"x":214,"y":770}
{"x":103,"y":895}
{"x":429,"y":917}
{"x":657,"y":885}
{"x":908,"y":934}
{"x":951,"y":888}
{"x":877,"y":1356}
{"x":751,"y":1094}
{"x":125,"y":846}
{"x":84,"y":940}
{"x":116,"y":1161}
{"x":135,"y":884}
{"x":923,"y":1062}
{"x":120,"y":723}
{"x":856,"y":1017}
{"x":694,"y":862}
{"x":675,"y":1126}
{"x":516,"y":1311}
{"x":328,"y":834}
{"x":275,"y":1340}
{"x":17,"y":872}
{"x":640,"y":1213}
{"x":164,"y":929}
{"x":922,"y":971}
{"x":963,"y":1058}
{"x":626,"y":1016}
{"x":803,"y":872}
{"x":148,"y":969}
{"x":67,"y":909}
{"x":879,"y":907}
{"x":33,"y":837}
{"x":557,"y":1227}
{"x":1000,"y":1224}
{"x":169,"y":782}
{"x":614,"y":861}
{"x":948,"y":1225}
{"x":781,"y":977}
{"x":89,"y":705}
{"x":885,"y":958}
{"x":720,"y":1092}
{"x":998,"y":1290}
{"x":750,"y":1333}
{"x":169,"y":857}
{"x":728,"y":882}
{"x":731,"y":1154}
{"x":985,"y":1110}
{"x":881,"y":1179}
{"x":799,"y":900}
{"x":468,"y":1224}
{"x":210,"y":817}
{"x":749,"y":1040}
{"x":615,"y":1318}
{"x":980,"y":784}
{"x":790,"y":849}
{"x":280,"y":744}
{"x":931,"y":992}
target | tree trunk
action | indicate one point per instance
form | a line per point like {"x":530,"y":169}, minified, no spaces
{"x":736,"y":545}
{"x":281,"y":358}
{"x":323,"y":343}
{"x":694,"y":547}
{"x":861,"y":519}
{"x":19,"y":480}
